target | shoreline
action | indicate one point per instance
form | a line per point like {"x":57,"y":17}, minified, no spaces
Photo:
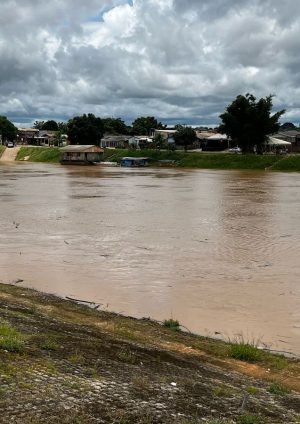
{"x":183,"y":329}
{"x":180,"y":159}
{"x":108,"y":368}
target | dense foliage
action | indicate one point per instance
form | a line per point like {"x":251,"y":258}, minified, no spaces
{"x":184,"y":136}
{"x":248,"y":122}
{"x":85,"y":129}
{"x":114,"y":126}
{"x":144,"y":125}
{"x":8,"y":131}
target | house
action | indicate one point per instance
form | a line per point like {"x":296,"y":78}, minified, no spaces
{"x":81,"y":154}
{"x":167,"y":134}
{"x":27,"y":135}
{"x":115,"y":141}
{"x":140,"y":141}
{"x":214,"y":142}
{"x":292,"y":136}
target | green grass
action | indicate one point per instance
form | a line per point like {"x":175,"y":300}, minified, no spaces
{"x":278,"y":388}
{"x":245,"y":351}
{"x":173,"y":324}
{"x":10,"y":339}
{"x":40,"y":154}
{"x":200,"y":160}
{"x":49,"y":344}
{"x":250,"y":419}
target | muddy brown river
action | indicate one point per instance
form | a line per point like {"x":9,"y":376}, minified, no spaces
{"x":217,"y":250}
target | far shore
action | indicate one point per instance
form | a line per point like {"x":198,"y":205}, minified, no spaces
{"x":178,"y":159}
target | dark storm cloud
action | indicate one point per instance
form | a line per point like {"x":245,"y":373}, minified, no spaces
{"x":174,"y":59}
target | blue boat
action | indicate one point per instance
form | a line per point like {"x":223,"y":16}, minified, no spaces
{"x":134,"y":162}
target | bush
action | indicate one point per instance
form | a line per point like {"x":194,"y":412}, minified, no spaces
{"x":173,"y":324}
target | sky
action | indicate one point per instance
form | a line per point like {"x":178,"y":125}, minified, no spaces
{"x":182,"y":61}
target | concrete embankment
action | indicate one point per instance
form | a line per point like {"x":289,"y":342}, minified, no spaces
{"x":67,"y":363}
{"x":9,"y":154}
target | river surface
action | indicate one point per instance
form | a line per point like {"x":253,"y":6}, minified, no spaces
{"x":217,"y":250}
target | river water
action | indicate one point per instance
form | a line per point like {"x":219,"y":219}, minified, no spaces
{"x":217,"y":250}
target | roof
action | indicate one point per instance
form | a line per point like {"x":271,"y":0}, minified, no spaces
{"x":217,"y":137}
{"x":134,"y":158}
{"x":111,"y":137}
{"x":204,"y":134}
{"x":277,"y":142}
{"x":28,"y":129}
{"x":166,"y":131}
{"x":82,"y":148}
{"x":290,"y":133}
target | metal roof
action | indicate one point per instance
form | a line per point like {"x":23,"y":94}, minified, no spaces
{"x":82,"y":148}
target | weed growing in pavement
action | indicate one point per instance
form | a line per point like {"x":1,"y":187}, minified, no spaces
{"x":50,"y":344}
{"x":251,"y":390}
{"x":278,"y":388}
{"x":171,"y":323}
{"x":10,"y":339}
{"x":250,"y":419}
{"x":222,"y":391}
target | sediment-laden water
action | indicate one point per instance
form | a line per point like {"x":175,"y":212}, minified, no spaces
{"x":217,"y":250}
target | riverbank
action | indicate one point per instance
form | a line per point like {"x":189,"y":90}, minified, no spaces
{"x":200,"y":160}
{"x":64,"y":362}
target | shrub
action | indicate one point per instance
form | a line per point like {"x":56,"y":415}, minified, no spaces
{"x":172,"y":323}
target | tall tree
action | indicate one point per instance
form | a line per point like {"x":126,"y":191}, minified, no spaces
{"x":50,"y":126}
{"x":38,"y":125}
{"x":114,"y":126}
{"x":8,"y":131}
{"x":184,"y":136}
{"x":248,"y":122}
{"x":63,"y":127}
{"x":287,"y":126}
{"x":144,"y":125}
{"x":85,"y":129}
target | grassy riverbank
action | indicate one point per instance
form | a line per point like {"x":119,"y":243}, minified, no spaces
{"x":67,"y":363}
{"x":39,"y":154}
{"x":200,"y":160}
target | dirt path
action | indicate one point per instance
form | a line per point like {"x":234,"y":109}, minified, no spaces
{"x":9,"y":154}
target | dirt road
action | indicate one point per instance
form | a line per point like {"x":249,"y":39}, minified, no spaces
{"x":9,"y":154}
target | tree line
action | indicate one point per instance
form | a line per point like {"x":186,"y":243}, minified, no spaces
{"x":247,"y":121}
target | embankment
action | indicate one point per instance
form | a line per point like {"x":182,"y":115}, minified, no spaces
{"x":39,"y":154}
{"x":200,"y":160}
{"x":67,"y":363}
{"x":2,"y":148}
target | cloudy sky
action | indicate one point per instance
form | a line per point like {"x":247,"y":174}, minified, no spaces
{"x":181,"y":61}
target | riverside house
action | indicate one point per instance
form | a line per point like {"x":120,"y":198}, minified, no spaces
{"x":81,"y":154}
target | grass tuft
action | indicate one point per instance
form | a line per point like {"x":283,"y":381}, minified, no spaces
{"x":10,"y":339}
{"x":278,"y":388}
{"x":250,"y":419}
{"x":245,"y":351}
{"x":172,"y":323}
